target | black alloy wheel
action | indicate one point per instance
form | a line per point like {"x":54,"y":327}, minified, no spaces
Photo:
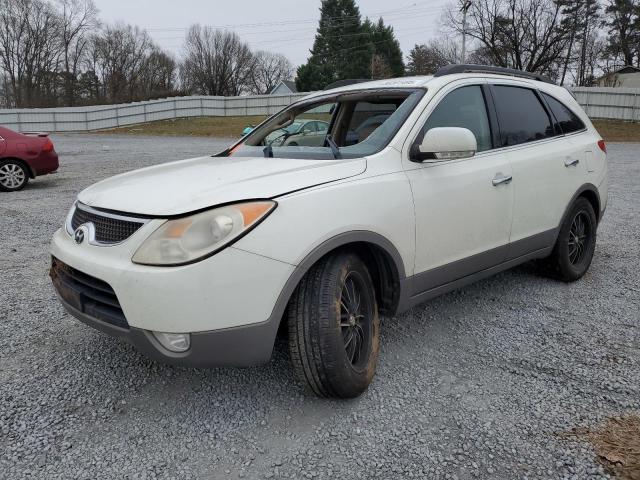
{"x":575,"y":245}
{"x":334,"y":328}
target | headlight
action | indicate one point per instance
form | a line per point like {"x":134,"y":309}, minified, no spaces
{"x":185,"y":240}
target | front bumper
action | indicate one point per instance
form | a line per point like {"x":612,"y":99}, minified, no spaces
{"x":244,"y":346}
{"x":226,"y":302}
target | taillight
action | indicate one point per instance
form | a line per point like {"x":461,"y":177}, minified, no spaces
{"x":602,"y":145}
{"x":48,"y":146}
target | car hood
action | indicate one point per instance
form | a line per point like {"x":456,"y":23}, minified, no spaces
{"x":188,"y":185}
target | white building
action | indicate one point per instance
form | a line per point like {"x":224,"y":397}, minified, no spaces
{"x":628,"y":77}
{"x":284,"y":87}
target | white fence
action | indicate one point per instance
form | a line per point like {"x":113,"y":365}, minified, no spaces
{"x":82,"y":119}
{"x":609,"y":102}
{"x":599,"y":102}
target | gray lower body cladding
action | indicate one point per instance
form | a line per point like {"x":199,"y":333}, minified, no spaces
{"x":253,"y":344}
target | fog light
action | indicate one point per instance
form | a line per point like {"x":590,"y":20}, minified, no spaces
{"x":174,"y":342}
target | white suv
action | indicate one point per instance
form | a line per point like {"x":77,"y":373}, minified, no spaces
{"x":464,"y":174}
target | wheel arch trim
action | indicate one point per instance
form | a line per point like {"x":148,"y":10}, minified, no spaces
{"x":333,"y":243}
{"x":586,"y":187}
{"x":30,"y":171}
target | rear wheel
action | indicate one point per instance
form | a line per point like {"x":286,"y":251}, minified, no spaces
{"x":13,"y":176}
{"x":334,"y":328}
{"x":574,"y":248}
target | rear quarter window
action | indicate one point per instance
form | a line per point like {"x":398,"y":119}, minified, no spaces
{"x":567,"y":121}
{"x":521,"y":115}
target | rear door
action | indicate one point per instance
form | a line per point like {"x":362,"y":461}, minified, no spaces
{"x":546,"y":165}
{"x":573,"y":128}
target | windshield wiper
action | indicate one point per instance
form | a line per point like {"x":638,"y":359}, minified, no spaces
{"x":335,"y":150}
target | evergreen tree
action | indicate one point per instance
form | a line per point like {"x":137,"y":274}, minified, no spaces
{"x":342,"y":47}
{"x":425,"y":60}
{"x":386,"y":47}
{"x":623,"y":23}
{"x":346,"y":47}
{"x":580,"y":20}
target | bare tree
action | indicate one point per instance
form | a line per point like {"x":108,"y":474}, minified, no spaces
{"x":241,"y":62}
{"x":77,"y":19}
{"x":121,"y":51}
{"x":28,"y":50}
{"x":269,"y":69}
{"x":216,"y":62}
{"x":594,"y":49}
{"x":522,"y":34}
{"x":5,"y":95}
{"x":158,"y":74}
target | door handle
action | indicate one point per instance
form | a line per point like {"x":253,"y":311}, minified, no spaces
{"x":500,"y":179}
{"x":571,"y":162}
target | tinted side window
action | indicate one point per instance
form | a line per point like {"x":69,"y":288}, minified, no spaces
{"x":521,"y":116}
{"x":567,"y":120}
{"x":464,"y":108}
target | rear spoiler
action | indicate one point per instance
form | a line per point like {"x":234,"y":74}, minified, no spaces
{"x":36,"y":134}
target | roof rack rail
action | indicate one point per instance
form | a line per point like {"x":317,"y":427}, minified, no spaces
{"x":345,"y":82}
{"x":469,"y":68}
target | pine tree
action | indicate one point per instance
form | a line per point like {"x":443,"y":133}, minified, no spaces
{"x":623,"y":23}
{"x":386,"y":47}
{"x":346,"y":47}
{"x":581,"y":17}
{"x":342,"y":47}
{"x":425,"y":60}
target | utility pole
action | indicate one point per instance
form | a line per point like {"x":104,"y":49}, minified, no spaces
{"x":465,"y":6}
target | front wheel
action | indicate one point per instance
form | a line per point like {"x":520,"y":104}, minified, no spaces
{"x":13,"y":176}
{"x":334,"y":328}
{"x":576,"y":243}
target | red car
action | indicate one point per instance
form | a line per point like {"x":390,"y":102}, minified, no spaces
{"x":24,"y":156}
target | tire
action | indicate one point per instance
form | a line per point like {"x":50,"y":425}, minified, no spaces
{"x":334,"y":328}
{"x":576,"y":243}
{"x":13,"y":176}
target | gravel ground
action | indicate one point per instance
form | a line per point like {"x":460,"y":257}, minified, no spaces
{"x":475,"y":384}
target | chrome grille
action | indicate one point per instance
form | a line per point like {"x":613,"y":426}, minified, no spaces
{"x":109,"y":228}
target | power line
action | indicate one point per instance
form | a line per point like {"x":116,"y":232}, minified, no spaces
{"x":402,"y":12}
{"x":311,"y":33}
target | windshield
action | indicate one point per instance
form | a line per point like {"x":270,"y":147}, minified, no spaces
{"x":346,"y":125}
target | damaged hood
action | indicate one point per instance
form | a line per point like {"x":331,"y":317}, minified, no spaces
{"x":188,"y":185}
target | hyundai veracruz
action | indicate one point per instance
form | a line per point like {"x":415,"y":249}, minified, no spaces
{"x":461,"y":175}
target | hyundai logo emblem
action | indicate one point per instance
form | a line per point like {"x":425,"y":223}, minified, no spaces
{"x":78,"y":235}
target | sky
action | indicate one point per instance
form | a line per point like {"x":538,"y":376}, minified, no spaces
{"x":282,"y":26}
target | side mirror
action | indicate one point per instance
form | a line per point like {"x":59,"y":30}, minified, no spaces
{"x":445,"y":143}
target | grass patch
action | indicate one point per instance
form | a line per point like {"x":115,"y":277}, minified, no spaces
{"x":231,"y":127}
{"x":616,"y":131}
{"x":228,"y":127}
{"x":617,"y":445}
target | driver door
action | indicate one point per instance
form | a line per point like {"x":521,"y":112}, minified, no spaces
{"x":463,"y":218}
